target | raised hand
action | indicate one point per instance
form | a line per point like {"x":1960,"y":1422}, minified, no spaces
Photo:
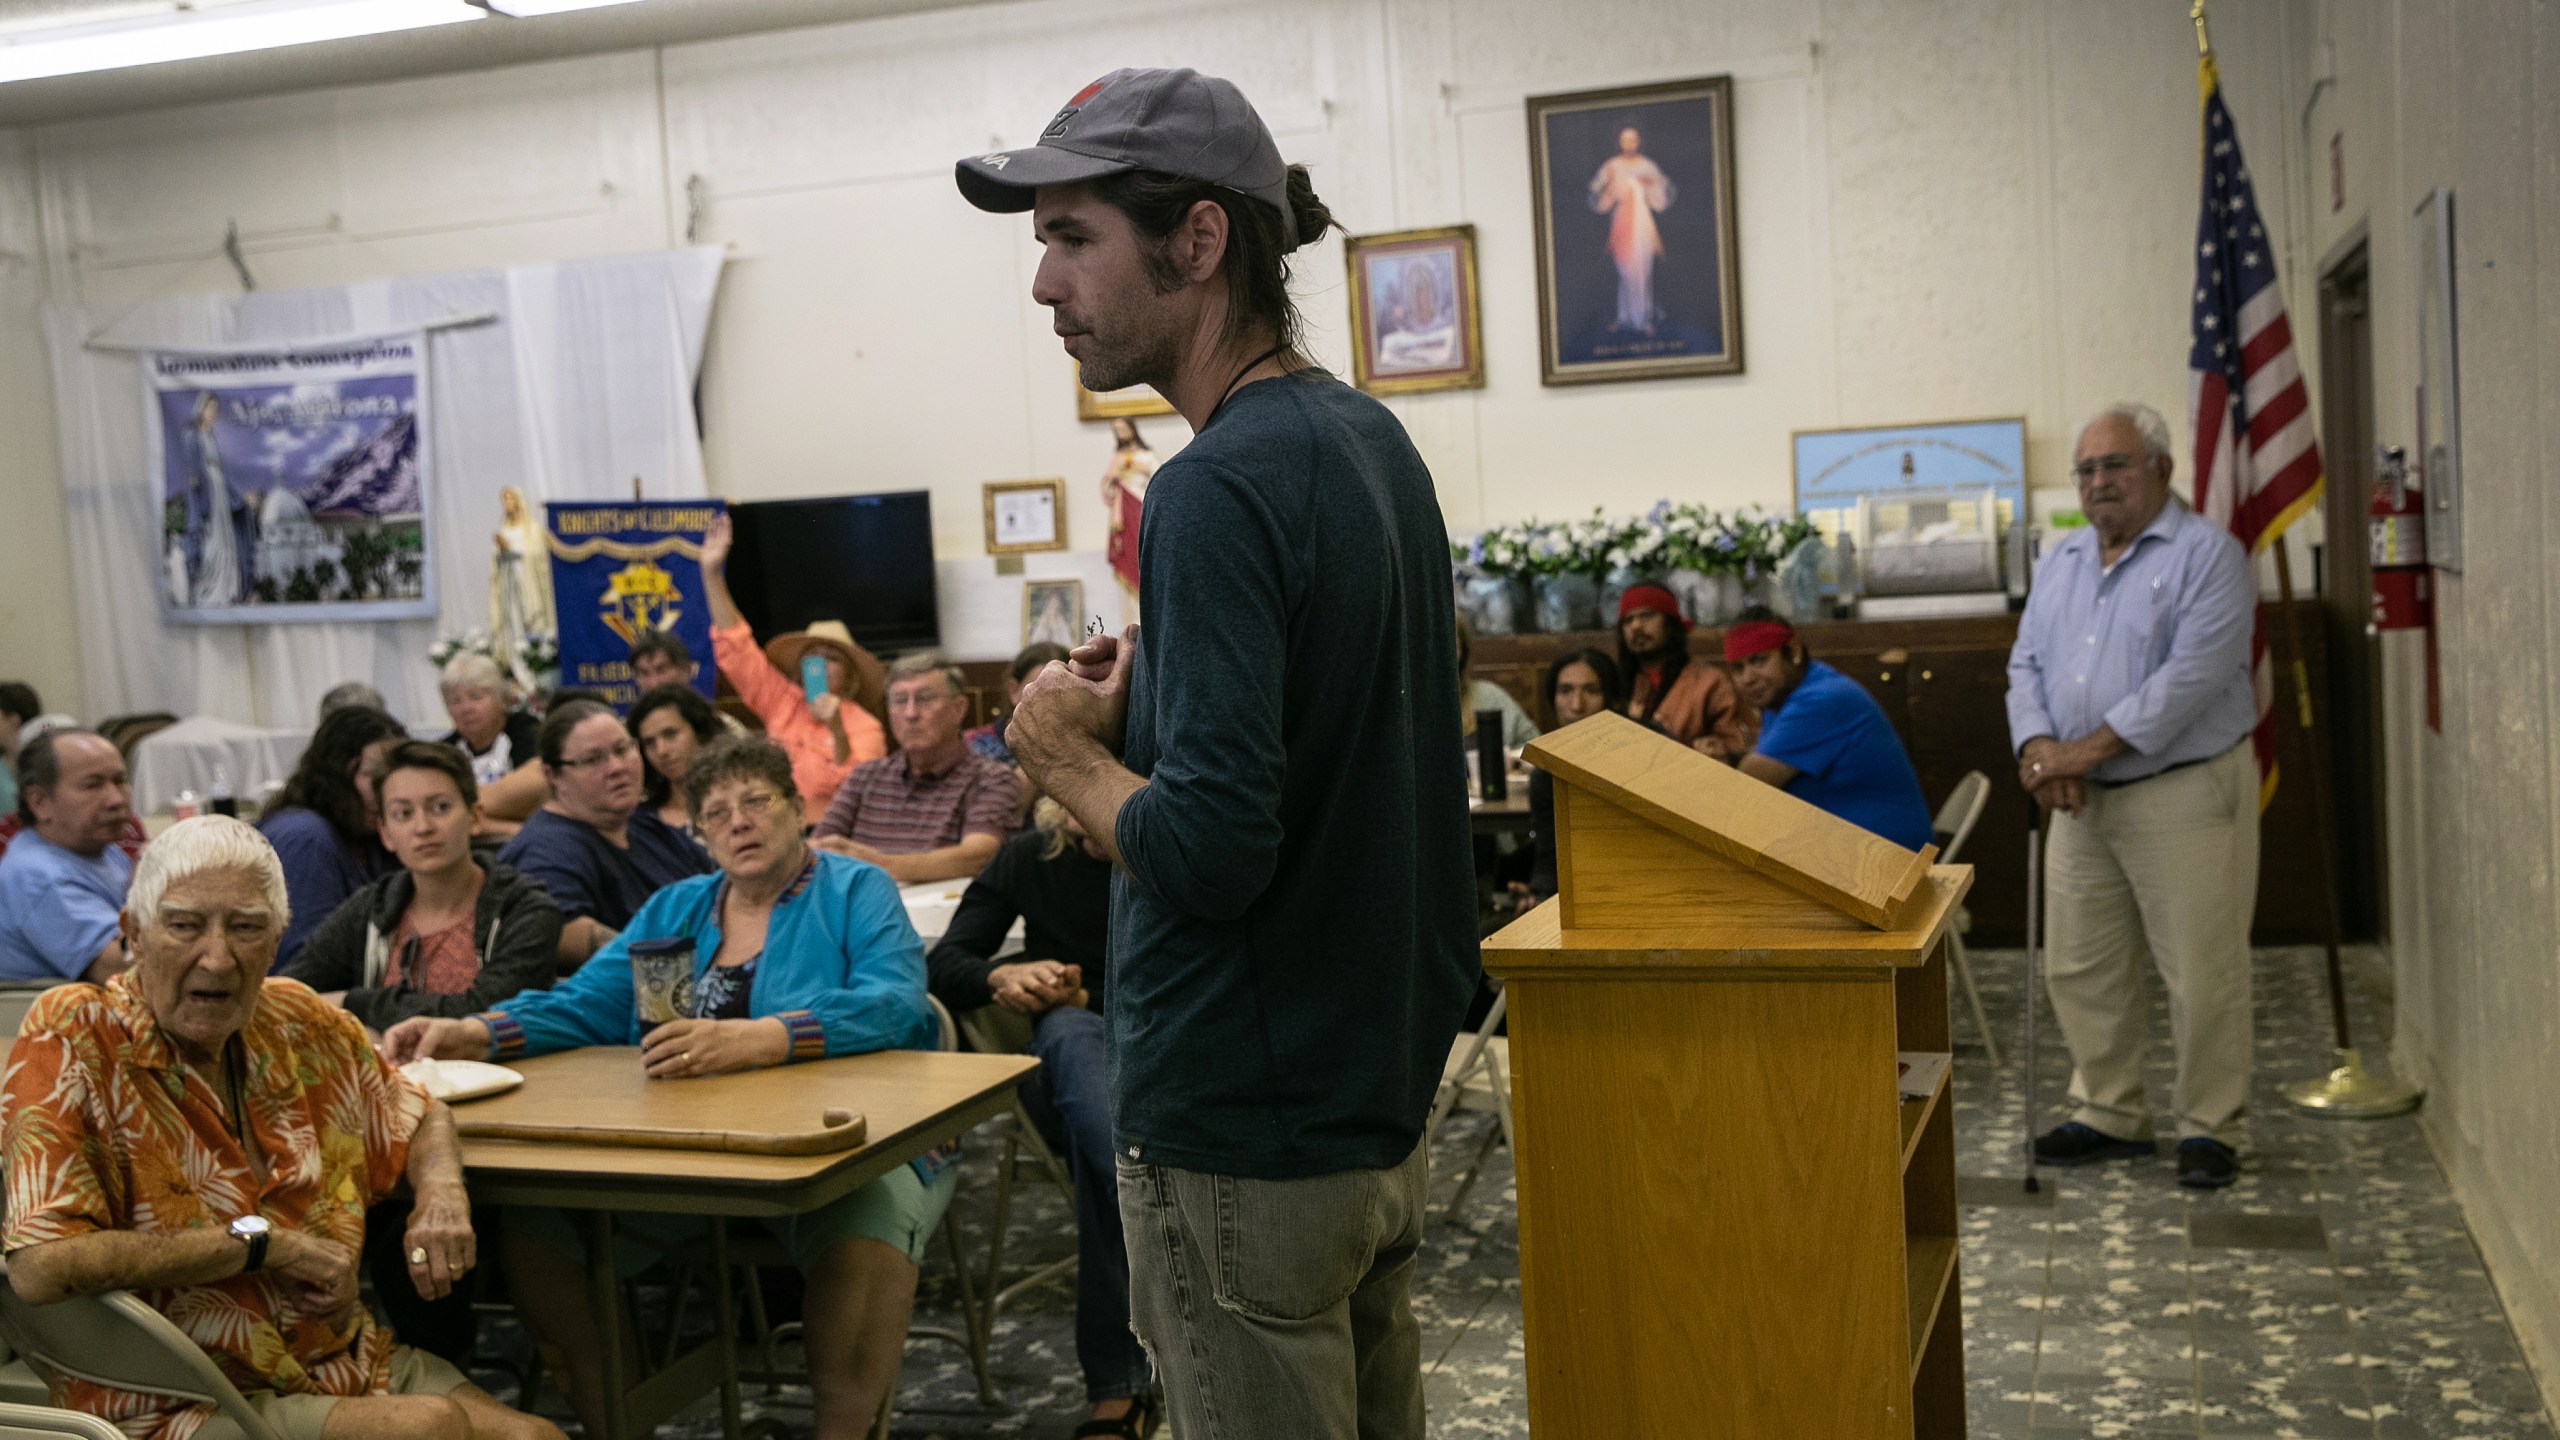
{"x":716,"y":542}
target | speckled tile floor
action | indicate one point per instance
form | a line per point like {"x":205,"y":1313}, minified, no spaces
{"x":2333,"y":1292}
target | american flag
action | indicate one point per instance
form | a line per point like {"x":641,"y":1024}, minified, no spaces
{"x":2257,"y":465}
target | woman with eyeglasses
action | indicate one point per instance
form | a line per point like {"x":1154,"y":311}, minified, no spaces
{"x":793,"y":954}
{"x":594,"y":845}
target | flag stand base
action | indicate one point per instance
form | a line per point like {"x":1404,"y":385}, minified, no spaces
{"x":2351,"y":1092}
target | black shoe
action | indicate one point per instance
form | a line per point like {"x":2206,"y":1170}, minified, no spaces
{"x":2206,"y":1164}
{"x":1137,"y":1423}
{"x":2072,"y":1143}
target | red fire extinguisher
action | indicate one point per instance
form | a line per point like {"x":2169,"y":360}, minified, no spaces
{"x":2399,"y":533}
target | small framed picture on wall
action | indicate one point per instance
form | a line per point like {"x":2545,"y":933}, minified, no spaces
{"x":1025,"y":515}
{"x":1128,"y":402}
{"x":1415,"y":324}
{"x":1632,"y":191}
{"x":1052,"y":610}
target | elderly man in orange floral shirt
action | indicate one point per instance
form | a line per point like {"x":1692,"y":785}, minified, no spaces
{"x":211,"y":1140}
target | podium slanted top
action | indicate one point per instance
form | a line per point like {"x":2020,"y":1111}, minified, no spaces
{"x":1764,"y":849}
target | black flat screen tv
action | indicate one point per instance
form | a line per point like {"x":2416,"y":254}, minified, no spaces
{"x":866,"y":560}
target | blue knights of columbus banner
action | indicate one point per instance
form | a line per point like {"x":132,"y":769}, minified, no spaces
{"x":620,"y":570}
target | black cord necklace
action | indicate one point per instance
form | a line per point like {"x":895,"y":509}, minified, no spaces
{"x":1229,"y":393}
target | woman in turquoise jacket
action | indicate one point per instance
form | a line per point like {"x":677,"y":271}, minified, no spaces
{"x":793,"y":955}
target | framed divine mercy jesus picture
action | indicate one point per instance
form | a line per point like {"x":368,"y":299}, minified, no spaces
{"x":1638,"y":275}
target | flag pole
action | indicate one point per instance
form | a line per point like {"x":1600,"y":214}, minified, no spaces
{"x":2348,"y":1091}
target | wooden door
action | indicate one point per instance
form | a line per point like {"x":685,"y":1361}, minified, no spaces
{"x":2351,"y":702}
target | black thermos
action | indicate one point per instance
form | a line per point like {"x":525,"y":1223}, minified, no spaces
{"x":1493,"y":777}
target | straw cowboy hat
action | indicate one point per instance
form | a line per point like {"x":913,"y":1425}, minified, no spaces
{"x":866,"y":680}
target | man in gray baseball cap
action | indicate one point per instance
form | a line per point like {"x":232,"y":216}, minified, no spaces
{"x":1276,"y":773}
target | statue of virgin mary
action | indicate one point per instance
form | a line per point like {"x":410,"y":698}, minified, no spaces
{"x":519,"y":584}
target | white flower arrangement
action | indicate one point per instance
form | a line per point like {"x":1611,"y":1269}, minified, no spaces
{"x":1749,"y":542}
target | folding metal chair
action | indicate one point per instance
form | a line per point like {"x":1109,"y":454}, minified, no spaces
{"x":1955,"y":822}
{"x":994,"y":1030}
{"x":17,"y":997}
{"x":1477,"y":1076}
{"x":43,"y":1422}
{"x":114,"y":1339}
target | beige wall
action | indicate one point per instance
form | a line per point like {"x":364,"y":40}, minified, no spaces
{"x":1947,"y":210}
{"x":2467,"y":95}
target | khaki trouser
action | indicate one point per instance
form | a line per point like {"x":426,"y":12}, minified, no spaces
{"x":2167,"y":866}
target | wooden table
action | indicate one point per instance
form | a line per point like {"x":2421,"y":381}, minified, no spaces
{"x":910,"y":1102}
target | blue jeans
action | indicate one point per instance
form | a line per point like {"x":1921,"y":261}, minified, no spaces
{"x":1071,"y":1103}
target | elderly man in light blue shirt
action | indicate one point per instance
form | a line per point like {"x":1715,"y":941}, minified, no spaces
{"x":2130,"y":705}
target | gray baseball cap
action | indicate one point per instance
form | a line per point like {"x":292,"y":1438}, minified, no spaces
{"x":1177,"y":122}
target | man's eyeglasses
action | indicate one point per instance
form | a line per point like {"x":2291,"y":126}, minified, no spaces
{"x":618,"y":750}
{"x":2099,"y":465}
{"x":755,"y":806}
{"x":919,"y":699}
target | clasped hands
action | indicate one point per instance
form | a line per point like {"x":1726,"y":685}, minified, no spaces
{"x":2056,"y":771}
{"x":1070,"y":710}
{"x":1033,"y":987}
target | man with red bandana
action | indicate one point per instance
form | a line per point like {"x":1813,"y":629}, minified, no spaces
{"x":1823,"y":738}
{"x":1692,"y":703}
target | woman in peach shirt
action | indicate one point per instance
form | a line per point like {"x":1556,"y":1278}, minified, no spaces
{"x":825,"y":737}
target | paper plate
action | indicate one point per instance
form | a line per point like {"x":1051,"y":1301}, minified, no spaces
{"x":453,"y":1081}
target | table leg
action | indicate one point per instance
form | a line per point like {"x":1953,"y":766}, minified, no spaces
{"x":725,"y":1327}
{"x":604,"y":1302}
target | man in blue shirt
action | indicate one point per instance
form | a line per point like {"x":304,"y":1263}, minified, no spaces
{"x":63,"y":881}
{"x":1823,"y":738}
{"x":2130,"y":704}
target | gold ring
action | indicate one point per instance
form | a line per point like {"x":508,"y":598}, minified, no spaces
{"x":418,"y":1256}
{"x":686,"y":1057}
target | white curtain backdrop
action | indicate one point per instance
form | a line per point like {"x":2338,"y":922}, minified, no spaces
{"x":583,"y":384}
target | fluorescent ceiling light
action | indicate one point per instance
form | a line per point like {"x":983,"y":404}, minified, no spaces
{"x":523,"y":9}
{"x":213,"y":30}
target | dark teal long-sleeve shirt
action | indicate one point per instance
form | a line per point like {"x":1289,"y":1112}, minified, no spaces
{"x":1293,"y":935}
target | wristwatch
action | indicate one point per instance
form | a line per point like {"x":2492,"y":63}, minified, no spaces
{"x":252,"y":1230}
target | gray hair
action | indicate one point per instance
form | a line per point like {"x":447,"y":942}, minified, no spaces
{"x":2146,"y":422}
{"x":205,"y":842}
{"x":737,"y":757}
{"x":928,"y":662}
{"x":353,"y":693}
{"x":472,"y":670}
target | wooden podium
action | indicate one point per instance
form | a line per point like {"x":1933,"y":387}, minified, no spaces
{"x":1730,"y":1226}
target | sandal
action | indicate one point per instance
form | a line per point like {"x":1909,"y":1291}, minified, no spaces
{"x":1136,"y":1423}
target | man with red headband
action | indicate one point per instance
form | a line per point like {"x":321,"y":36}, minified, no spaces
{"x":1692,"y":703}
{"x":1823,"y":738}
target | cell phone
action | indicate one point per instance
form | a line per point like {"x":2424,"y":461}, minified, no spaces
{"x":813,"y":675}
